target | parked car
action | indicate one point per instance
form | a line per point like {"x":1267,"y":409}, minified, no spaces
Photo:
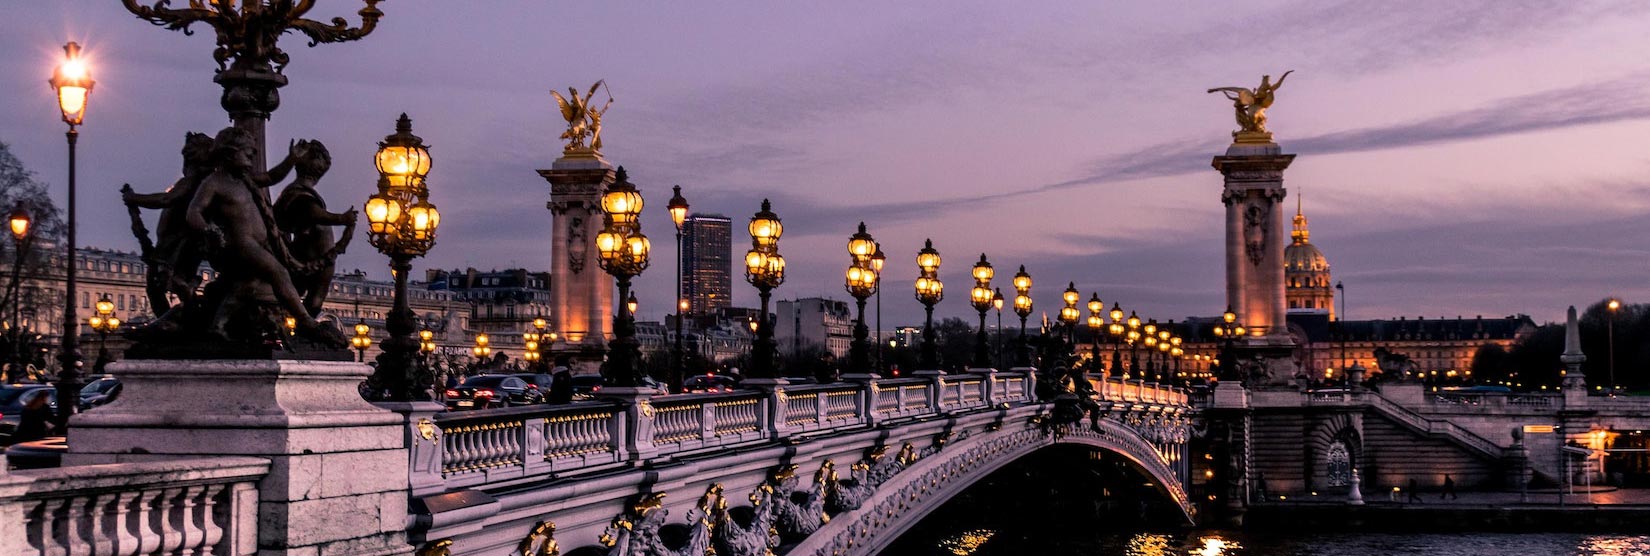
{"x":99,"y":392}
{"x":710,"y":383}
{"x":12,"y":399}
{"x":586,"y":386}
{"x":483,"y":391}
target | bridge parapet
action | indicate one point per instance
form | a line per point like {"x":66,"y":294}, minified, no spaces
{"x":495,"y":471}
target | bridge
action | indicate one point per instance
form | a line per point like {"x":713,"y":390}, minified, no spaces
{"x":833,"y":469}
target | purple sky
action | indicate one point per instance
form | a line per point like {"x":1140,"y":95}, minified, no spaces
{"x":1457,"y":158}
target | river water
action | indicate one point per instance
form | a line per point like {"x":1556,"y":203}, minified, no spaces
{"x":1067,"y":502}
{"x":988,"y":542}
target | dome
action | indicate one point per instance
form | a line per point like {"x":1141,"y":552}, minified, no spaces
{"x":1304,"y":257}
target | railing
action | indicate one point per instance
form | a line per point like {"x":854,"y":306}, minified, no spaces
{"x":492,"y":447}
{"x":1444,"y":428}
{"x":199,"y":506}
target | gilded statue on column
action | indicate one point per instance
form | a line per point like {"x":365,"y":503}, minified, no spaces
{"x":584,"y":121}
{"x":1250,"y":106}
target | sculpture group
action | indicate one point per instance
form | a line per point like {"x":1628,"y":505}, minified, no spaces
{"x":583,"y":119}
{"x":273,"y":261}
{"x":1250,"y":106}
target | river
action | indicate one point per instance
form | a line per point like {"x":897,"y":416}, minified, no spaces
{"x":988,"y":542}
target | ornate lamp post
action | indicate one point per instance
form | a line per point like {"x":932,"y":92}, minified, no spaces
{"x":537,"y":337}
{"x":1115,"y":337}
{"x":929,"y":292}
{"x":1132,"y":338}
{"x":862,"y":281}
{"x":997,"y":303}
{"x":1162,"y":355}
{"x":482,"y":350}
{"x":1097,"y":325}
{"x":678,"y":207}
{"x":401,"y":223}
{"x":530,"y":347}
{"x":361,"y":341}
{"x":624,"y":254}
{"x":878,"y":259}
{"x":426,"y":346}
{"x":1228,"y":330}
{"x":764,"y":269}
{"x":1022,"y":307}
{"x":982,"y":298}
{"x":103,"y":322}
{"x":1069,"y":315}
{"x":72,"y":81}
{"x":1148,"y":340}
{"x":19,"y":222}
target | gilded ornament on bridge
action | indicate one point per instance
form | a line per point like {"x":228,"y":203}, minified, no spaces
{"x":583,"y":120}
{"x":426,"y":429}
{"x":443,"y":547}
{"x":541,"y":541}
{"x":1250,"y":106}
{"x":636,"y":531}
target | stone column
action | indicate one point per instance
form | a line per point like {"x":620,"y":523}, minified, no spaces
{"x":338,"y":476}
{"x":1575,"y":380}
{"x":581,"y":293}
{"x":1255,"y":238}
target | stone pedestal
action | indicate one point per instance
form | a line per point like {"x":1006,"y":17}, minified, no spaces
{"x":581,"y":294}
{"x":338,"y":480}
{"x":639,"y":412}
{"x":1255,"y":239}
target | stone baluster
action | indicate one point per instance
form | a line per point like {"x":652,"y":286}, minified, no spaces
{"x":867,"y":396}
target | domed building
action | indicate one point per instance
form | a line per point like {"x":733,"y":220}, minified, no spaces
{"x":1307,"y":287}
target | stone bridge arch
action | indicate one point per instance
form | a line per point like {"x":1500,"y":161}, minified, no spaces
{"x":925,"y":485}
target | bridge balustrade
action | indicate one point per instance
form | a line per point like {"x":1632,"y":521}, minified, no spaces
{"x":498,"y":446}
{"x":195,"y":506}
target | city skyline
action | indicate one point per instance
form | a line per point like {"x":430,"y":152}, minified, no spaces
{"x":1486,"y":168}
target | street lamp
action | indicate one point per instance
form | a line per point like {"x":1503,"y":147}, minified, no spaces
{"x":1069,"y":315}
{"x":929,"y":292}
{"x":861,"y":281}
{"x":426,"y":346}
{"x":536,"y":337}
{"x":983,"y":299}
{"x":1613,"y":305}
{"x":678,"y":207}
{"x":1229,"y":330}
{"x":72,"y":81}
{"x":20,"y":223}
{"x":1115,"y":335}
{"x":1022,"y":307}
{"x":764,"y":269}
{"x":401,"y":223}
{"x":1132,"y":338}
{"x":361,"y":341}
{"x":1096,"y":324}
{"x":878,"y":259}
{"x":103,"y":322}
{"x":482,"y":349}
{"x":997,"y":303}
{"x":624,"y":255}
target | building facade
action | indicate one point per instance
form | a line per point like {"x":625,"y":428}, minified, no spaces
{"x":814,"y":321}
{"x":707,"y":263}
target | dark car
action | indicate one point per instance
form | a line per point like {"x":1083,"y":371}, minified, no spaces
{"x":536,"y":382}
{"x":586,"y":386}
{"x":482,"y":391}
{"x":99,"y":392}
{"x":710,"y":383}
{"x":12,"y":399}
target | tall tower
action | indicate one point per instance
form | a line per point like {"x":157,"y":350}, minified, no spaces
{"x":581,"y":294}
{"x":1306,"y":272}
{"x":707,"y":263}
{"x":1253,"y":194}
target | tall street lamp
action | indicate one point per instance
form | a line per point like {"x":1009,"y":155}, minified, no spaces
{"x":1022,"y":307}
{"x":426,"y":346}
{"x":361,"y":340}
{"x":72,"y":81}
{"x":1097,"y":325}
{"x":930,"y":290}
{"x":764,"y":269}
{"x":982,"y":297}
{"x":103,"y":322}
{"x":678,"y":215}
{"x":1148,"y":340}
{"x":623,"y":249}
{"x":1610,"y":321}
{"x":401,"y":223}
{"x":862,"y":281}
{"x":1069,"y":315}
{"x":537,"y":337}
{"x":1132,"y":338}
{"x":1115,"y":336}
{"x":482,"y":349}
{"x":19,"y":222}
{"x":1228,"y":330}
{"x":878,"y":259}
{"x":997,"y":303}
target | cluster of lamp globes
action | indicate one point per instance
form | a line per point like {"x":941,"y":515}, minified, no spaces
{"x":764,"y":266}
{"x":400,"y":218}
{"x":104,"y":320}
{"x":535,"y":334}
